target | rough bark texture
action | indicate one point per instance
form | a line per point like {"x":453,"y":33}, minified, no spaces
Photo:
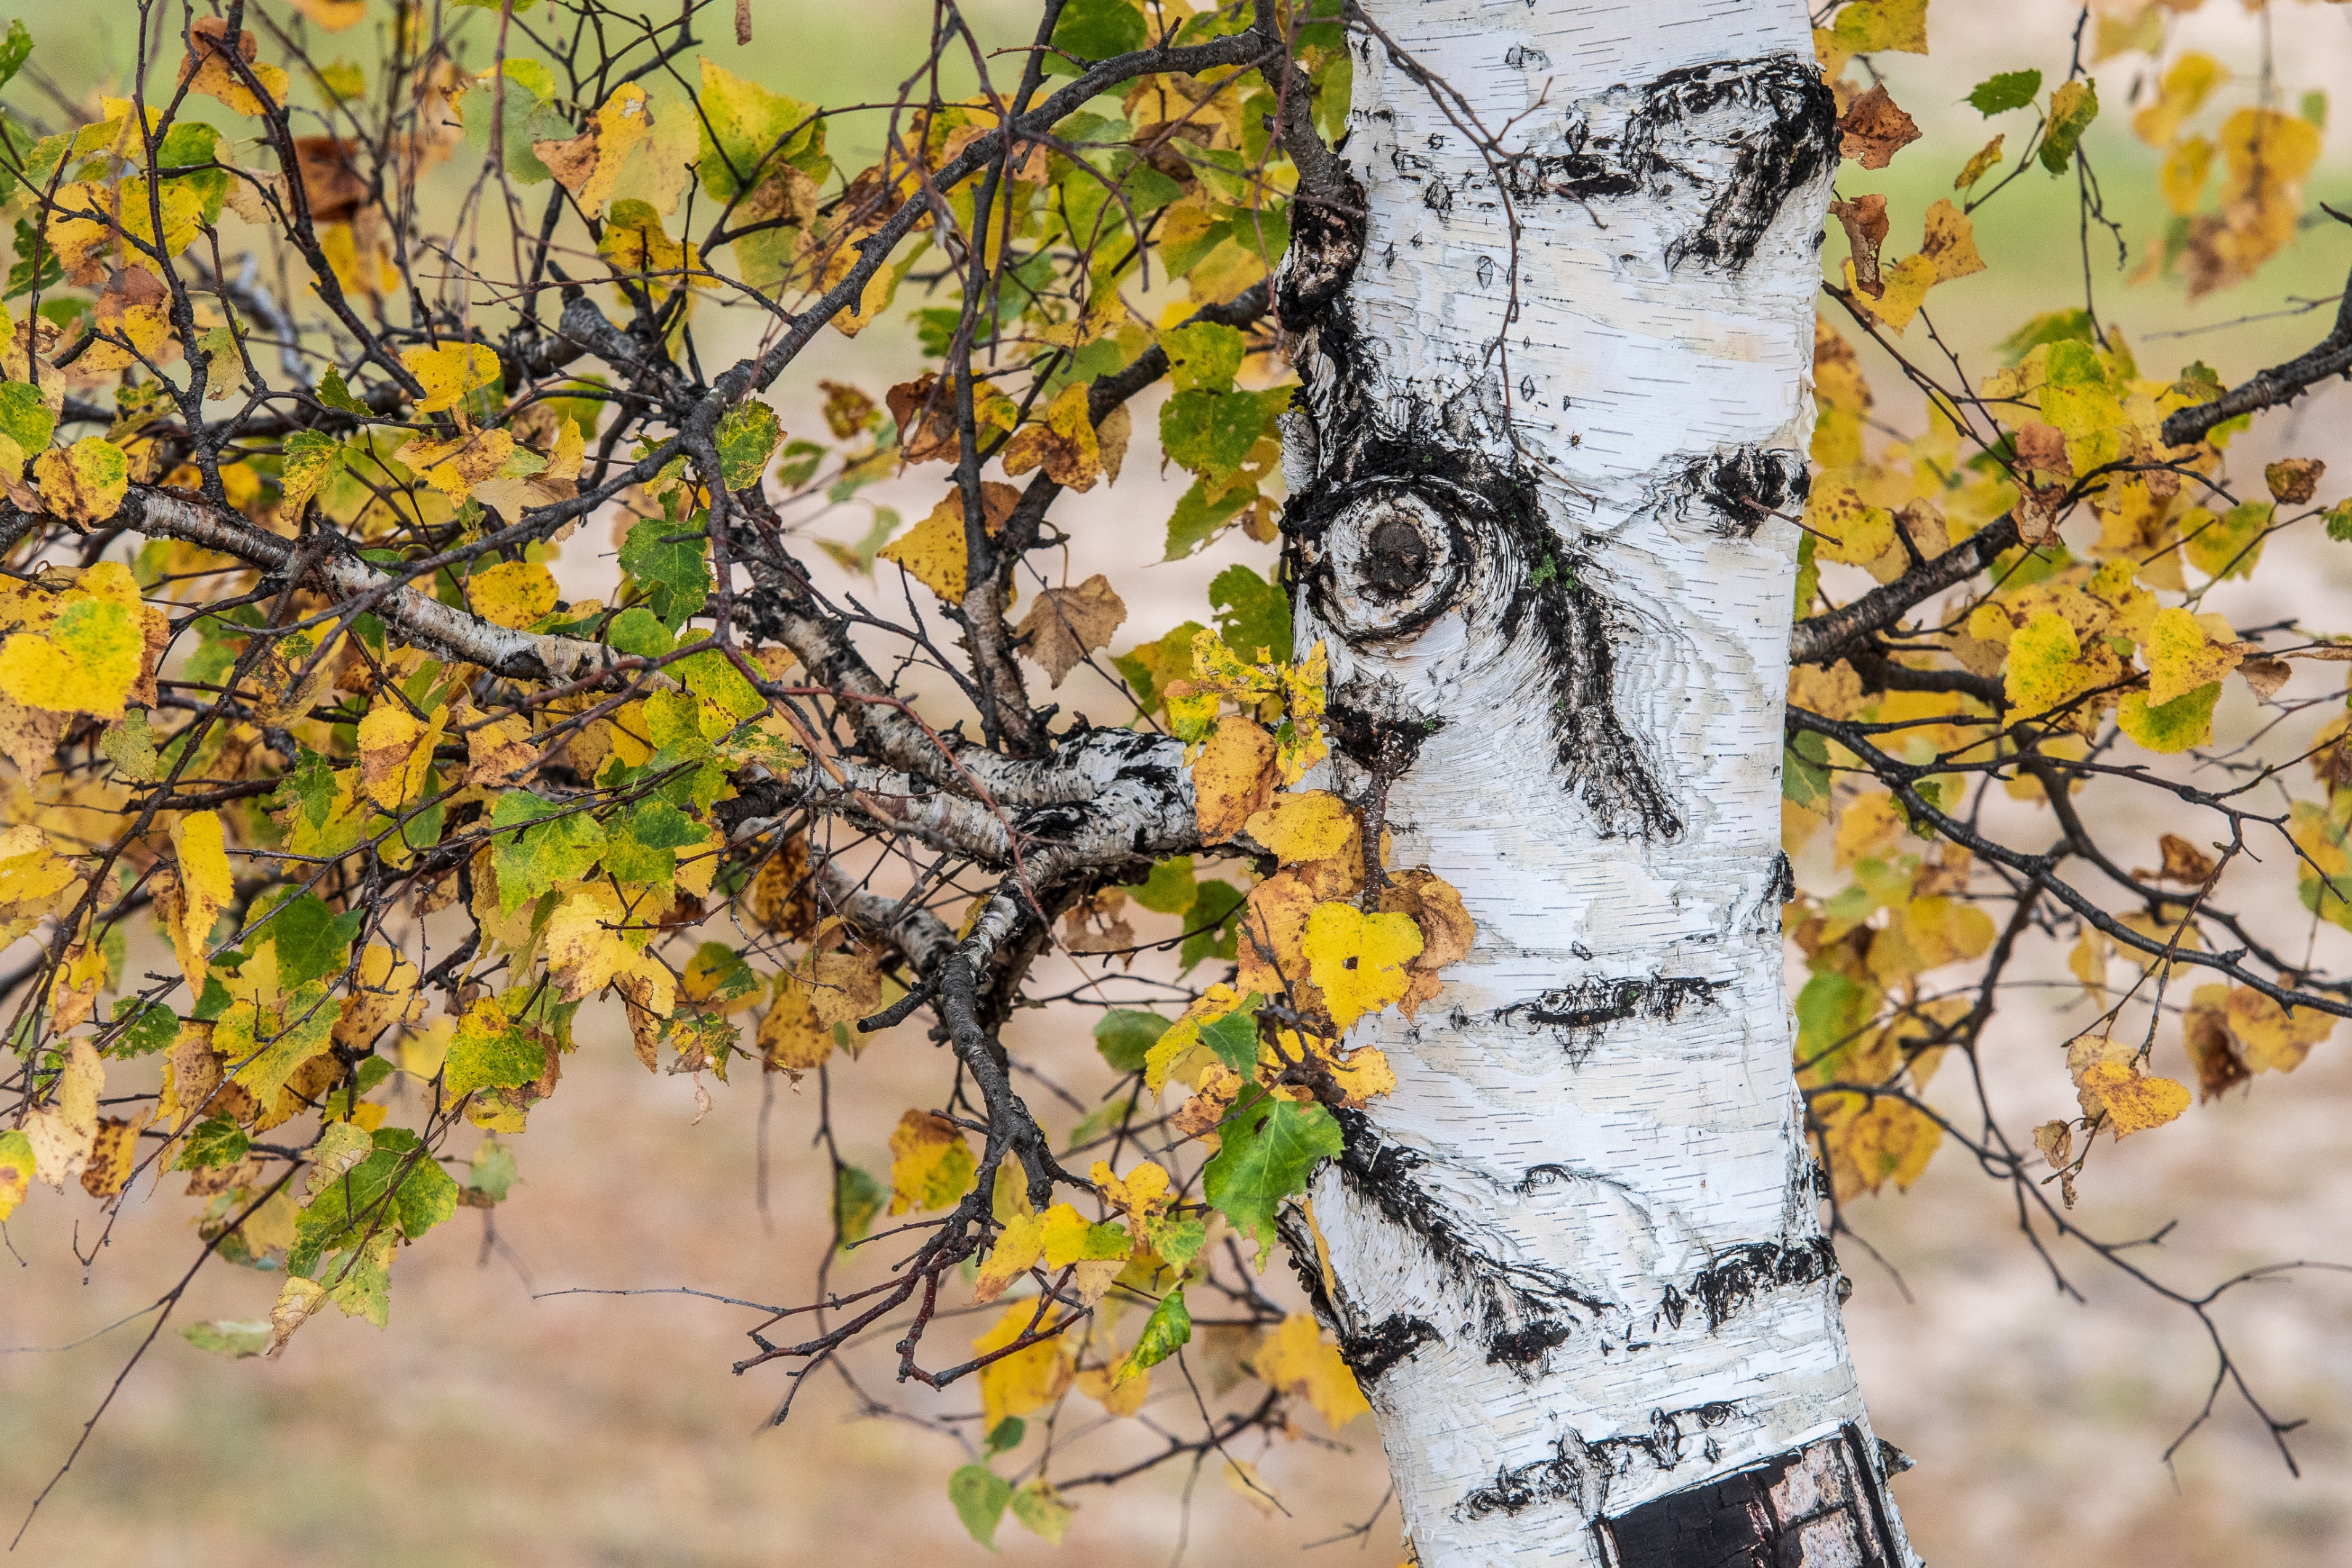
{"x":1576,"y":1257}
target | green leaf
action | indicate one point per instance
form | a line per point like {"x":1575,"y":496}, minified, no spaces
{"x":675,"y":571}
{"x":748,"y":132}
{"x":1269,"y":1151}
{"x":642,"y":845}
{"x":857,"y":1199}
{"x":153,"y":1028}
{"x":1169,"y":889}
{"x":713,"y":676}
{"x":747,"y":436}
{"x":1212,"y":433}
{"x":236,"y":1337}
{"x":24,"y":418}
{"x":2187,"y":720}
{"x":980,"y":1496}
{"x":1252,"y":612}
{"x":635,"y":630}
{"x":1209,"y":919}
{"x":2339,"y":521}
{"x":14,"y":50}
{"x":1203,"y":355}
{"x":2073,"y":107}
{"x":489,"y":1051}
{"x":1124,"y":1034}
{"x":211,"y":1144}
{"x":492,"y":1172}
{"x":1804,"y":772}
{"x":1234,"y":1038}
{"x":1198,"y":518}
{"x":2006,"y":91}
{"x":1006,"y":1437}
{"x":335,"y":395}
{"x":532,"y":859}
{"x":1165,"y":1332}
{"x":1098,"y":29}
{"x":313,"y":942}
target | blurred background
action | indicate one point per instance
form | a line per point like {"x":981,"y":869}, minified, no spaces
{"x":494,"y":1423}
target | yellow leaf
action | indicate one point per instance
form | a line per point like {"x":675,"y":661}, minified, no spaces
{"x":206,"y":886}
{"x":1849,"y":530}
{"x":62,"y":1133}
{"x":2275,"y":1039}
{"x":2088,"y":960}
{"x":790,"y":1037}
{"x":2175,"y":726}
{"x":86,"y":660}
{"x":1030,"y":1378}
{"x":1296,"y":1359}
{"x":1273,"y":927}
{"x":17,"y":1167}
{"x":456,"y":466}
{"x":206,"y":68}
{"x":136,"y":308}
{"x":1311,"y":826}
{"x":1142,"y":1194}
{"x":2133,"y":1103}
{"x":1868,"y":828}
{"x":1875,"y":1142}
{"x":85,"y":482}
{"x":2182,"y":177}
{"x":1946,"y":930}
{"x":1983,"y":159}
{"x":512,"y":594}
{"x":384,"y":994}
{"x":1241,"y":1479}
{"x":932,"y":552}
{"x":843,"y":987}
{"x":2044,"y":664}
{"x":2184,"y":87}
{"x":1117,"y":1395}
{"x":930,"y":1164}
{"x":114,"y":1152}
{"x":396,"y":750}
{"x":1358,"y":961}
{"x":1950,"y":243}
{"x":334,"y":16}
{"x":2182,"y":656}
{"x":1232,"y":777}
{"x":1063,"y":444}
{"x":450,"y":371}
{"x":1018,"y":1247}
{"x":587,"y":951}
{"x":589,"y":165}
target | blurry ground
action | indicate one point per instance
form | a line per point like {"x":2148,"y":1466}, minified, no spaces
{"x":486,"y":1428}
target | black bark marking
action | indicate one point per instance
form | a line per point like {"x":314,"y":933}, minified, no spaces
{"x":1834,"y":1513}
{"x":1784,"y":135}
{"x":1416,"y":506}
{"x":1520,"y":1311}
{"x":1371,"y":1353}
{"x":1578,"y":1014}
{"x":1729,"y":1284}
{"x":1580,"y":1473}
{"x":1744,"y":486}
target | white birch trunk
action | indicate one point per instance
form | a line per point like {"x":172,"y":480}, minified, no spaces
{"x":1576,"y":1256}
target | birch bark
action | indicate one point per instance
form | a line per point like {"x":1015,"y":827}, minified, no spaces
{"x":1542,"y":488}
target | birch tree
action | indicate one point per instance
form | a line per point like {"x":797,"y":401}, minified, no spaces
{"x":1590,"y":657}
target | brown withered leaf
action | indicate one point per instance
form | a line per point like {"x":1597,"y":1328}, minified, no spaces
{"x":2037,"y":514}
{"x":2264,"y":676}
{"x":1095,"y":924}
{"x":2205,"y":1032}
{"x":924,"y":409}
{"x":1066,"y":624}
{"x":2043,"y":448}
{"x":1865,"y":221}
{"x":1873,"y":129}
{"x":330,"y":176}
{"x":2183,"y":862}
{"x":2294,"y":480}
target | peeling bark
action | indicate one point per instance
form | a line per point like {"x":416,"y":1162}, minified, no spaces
{"x":1555,"y":404}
